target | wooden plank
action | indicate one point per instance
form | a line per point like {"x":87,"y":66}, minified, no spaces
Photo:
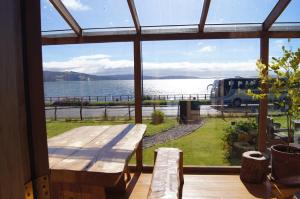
{"x":62,"y":146}
{"x":87,"y":153}
{"x":14,"y":163}
{"x":134,"y":15}
{"x":138,"y":80}
{"x":166,"y":179}
{"x":216,"y":186}
{"x":275,"y":13}
{"x":263,"y":107}
{"x":63,"y":11}
{"x":105,"y":157}
{"x":114,"y":158}
{"x":204,"y":14}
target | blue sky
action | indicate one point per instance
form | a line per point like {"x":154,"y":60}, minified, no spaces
{"x":196,"y":57}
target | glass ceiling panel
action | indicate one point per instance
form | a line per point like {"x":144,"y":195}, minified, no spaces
{"x":291,"y":13}
{"x":168,"y":12}
{"x":239,"y":11}
{"x":100,"y":13}
{"x":51,"y":20}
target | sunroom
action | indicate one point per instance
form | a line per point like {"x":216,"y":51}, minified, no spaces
{"x":150,"y":99}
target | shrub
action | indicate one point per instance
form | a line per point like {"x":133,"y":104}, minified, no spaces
{"x":157,"y":117}
{"x":241,"y":131}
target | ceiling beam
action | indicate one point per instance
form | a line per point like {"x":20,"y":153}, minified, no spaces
{"x":63,"y":11}
{"x":275,"y":13}
{"x":60,"y":39}
{"x":204,"y":14}
{"x":134,"y":16}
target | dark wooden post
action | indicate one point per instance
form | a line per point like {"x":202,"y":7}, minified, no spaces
{"x":129,"y":114}
{"x":263,"y":108}
{"x":80,"y":112}
{"x":55,"y":113}
{"x":138,"y":79}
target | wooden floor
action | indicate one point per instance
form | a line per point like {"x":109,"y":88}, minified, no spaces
{"x":210,"y":186}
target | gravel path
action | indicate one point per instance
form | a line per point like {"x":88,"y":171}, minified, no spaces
{"x":171,"y":134}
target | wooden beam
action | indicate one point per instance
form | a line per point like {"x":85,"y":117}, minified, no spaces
{"x":63,"y":11}
{"x":275,"y":13}
{"x":138,"y":79}
{"x":204,"y":14}
{"x":134,"y":15}
{"x":263,"y":107}
{"x":14,"y":163}
{"x":65,"y":39}
{"x":62,"y":39}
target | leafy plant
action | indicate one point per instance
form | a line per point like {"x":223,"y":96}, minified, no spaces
{"x":236,"y":131}
{"x":157,"y":117}
{"x":283,"y":83}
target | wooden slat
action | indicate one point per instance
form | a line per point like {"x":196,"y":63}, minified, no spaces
{"x":87,"y":153}
{"x":134,"y":15}
{"x":104,"y":157}
{"x":62,"y":146}
{"x":275,"y":13}
{"x":204,"y":14}
{"x":216,"y":186}
{"x":63,"y":11}
{"x":167,"y":176}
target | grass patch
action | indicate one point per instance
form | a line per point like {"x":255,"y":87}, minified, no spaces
{"x":203,"y":147}
{"x":57,"y":127}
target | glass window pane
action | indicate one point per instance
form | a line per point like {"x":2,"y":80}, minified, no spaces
{"x":210,"y":74}
{"x":100,"y":14}
{"x":291,"y":13}
{"x":51,"y":19}
{"x":168,"y":12}
{"x":237,"y":11}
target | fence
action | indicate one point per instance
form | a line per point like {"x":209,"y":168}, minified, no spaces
{"x":117,"y":98}
{"x":127,"y":112}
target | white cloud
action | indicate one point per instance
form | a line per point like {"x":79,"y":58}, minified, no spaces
{"x":101,"y":63}
{"x":92,"y":64}
{"x":75,"y":5}
{"x":207,"y":49}
{"x":279,"y":42}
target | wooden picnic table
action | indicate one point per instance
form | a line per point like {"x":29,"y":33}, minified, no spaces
{"x":86,"y":160}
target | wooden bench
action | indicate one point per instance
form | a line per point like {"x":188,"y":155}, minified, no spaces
{"x":167,"y":178}
{"x":86,"y":160}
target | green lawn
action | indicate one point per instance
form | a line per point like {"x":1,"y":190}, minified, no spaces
{"x":203,"y":147}
{"x":57,"y":127}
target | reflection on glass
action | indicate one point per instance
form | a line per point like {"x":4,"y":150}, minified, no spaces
{"x":50,"y":18}
{"x":168,"y":12}
{"x":100,"y":14}
{"x":236,"y":11}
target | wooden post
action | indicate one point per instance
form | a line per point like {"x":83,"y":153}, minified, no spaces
{"x":263,"y":108}
{"x":138,"y":79}
{"x":139,"y":157}
{"x":55,"y":116}
{"x":80,"y":112}
{"x":129,"y":114}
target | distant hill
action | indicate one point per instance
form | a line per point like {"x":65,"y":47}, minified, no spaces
{"x":51,"y":76}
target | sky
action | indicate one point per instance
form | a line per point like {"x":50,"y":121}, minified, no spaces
{"x":203,"y":58}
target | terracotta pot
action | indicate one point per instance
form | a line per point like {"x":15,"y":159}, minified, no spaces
{"x":286,"y":164}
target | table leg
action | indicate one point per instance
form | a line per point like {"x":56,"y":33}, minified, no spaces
{"x":139,"y":157}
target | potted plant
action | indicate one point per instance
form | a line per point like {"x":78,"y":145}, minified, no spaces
{"x":283,"y":78}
